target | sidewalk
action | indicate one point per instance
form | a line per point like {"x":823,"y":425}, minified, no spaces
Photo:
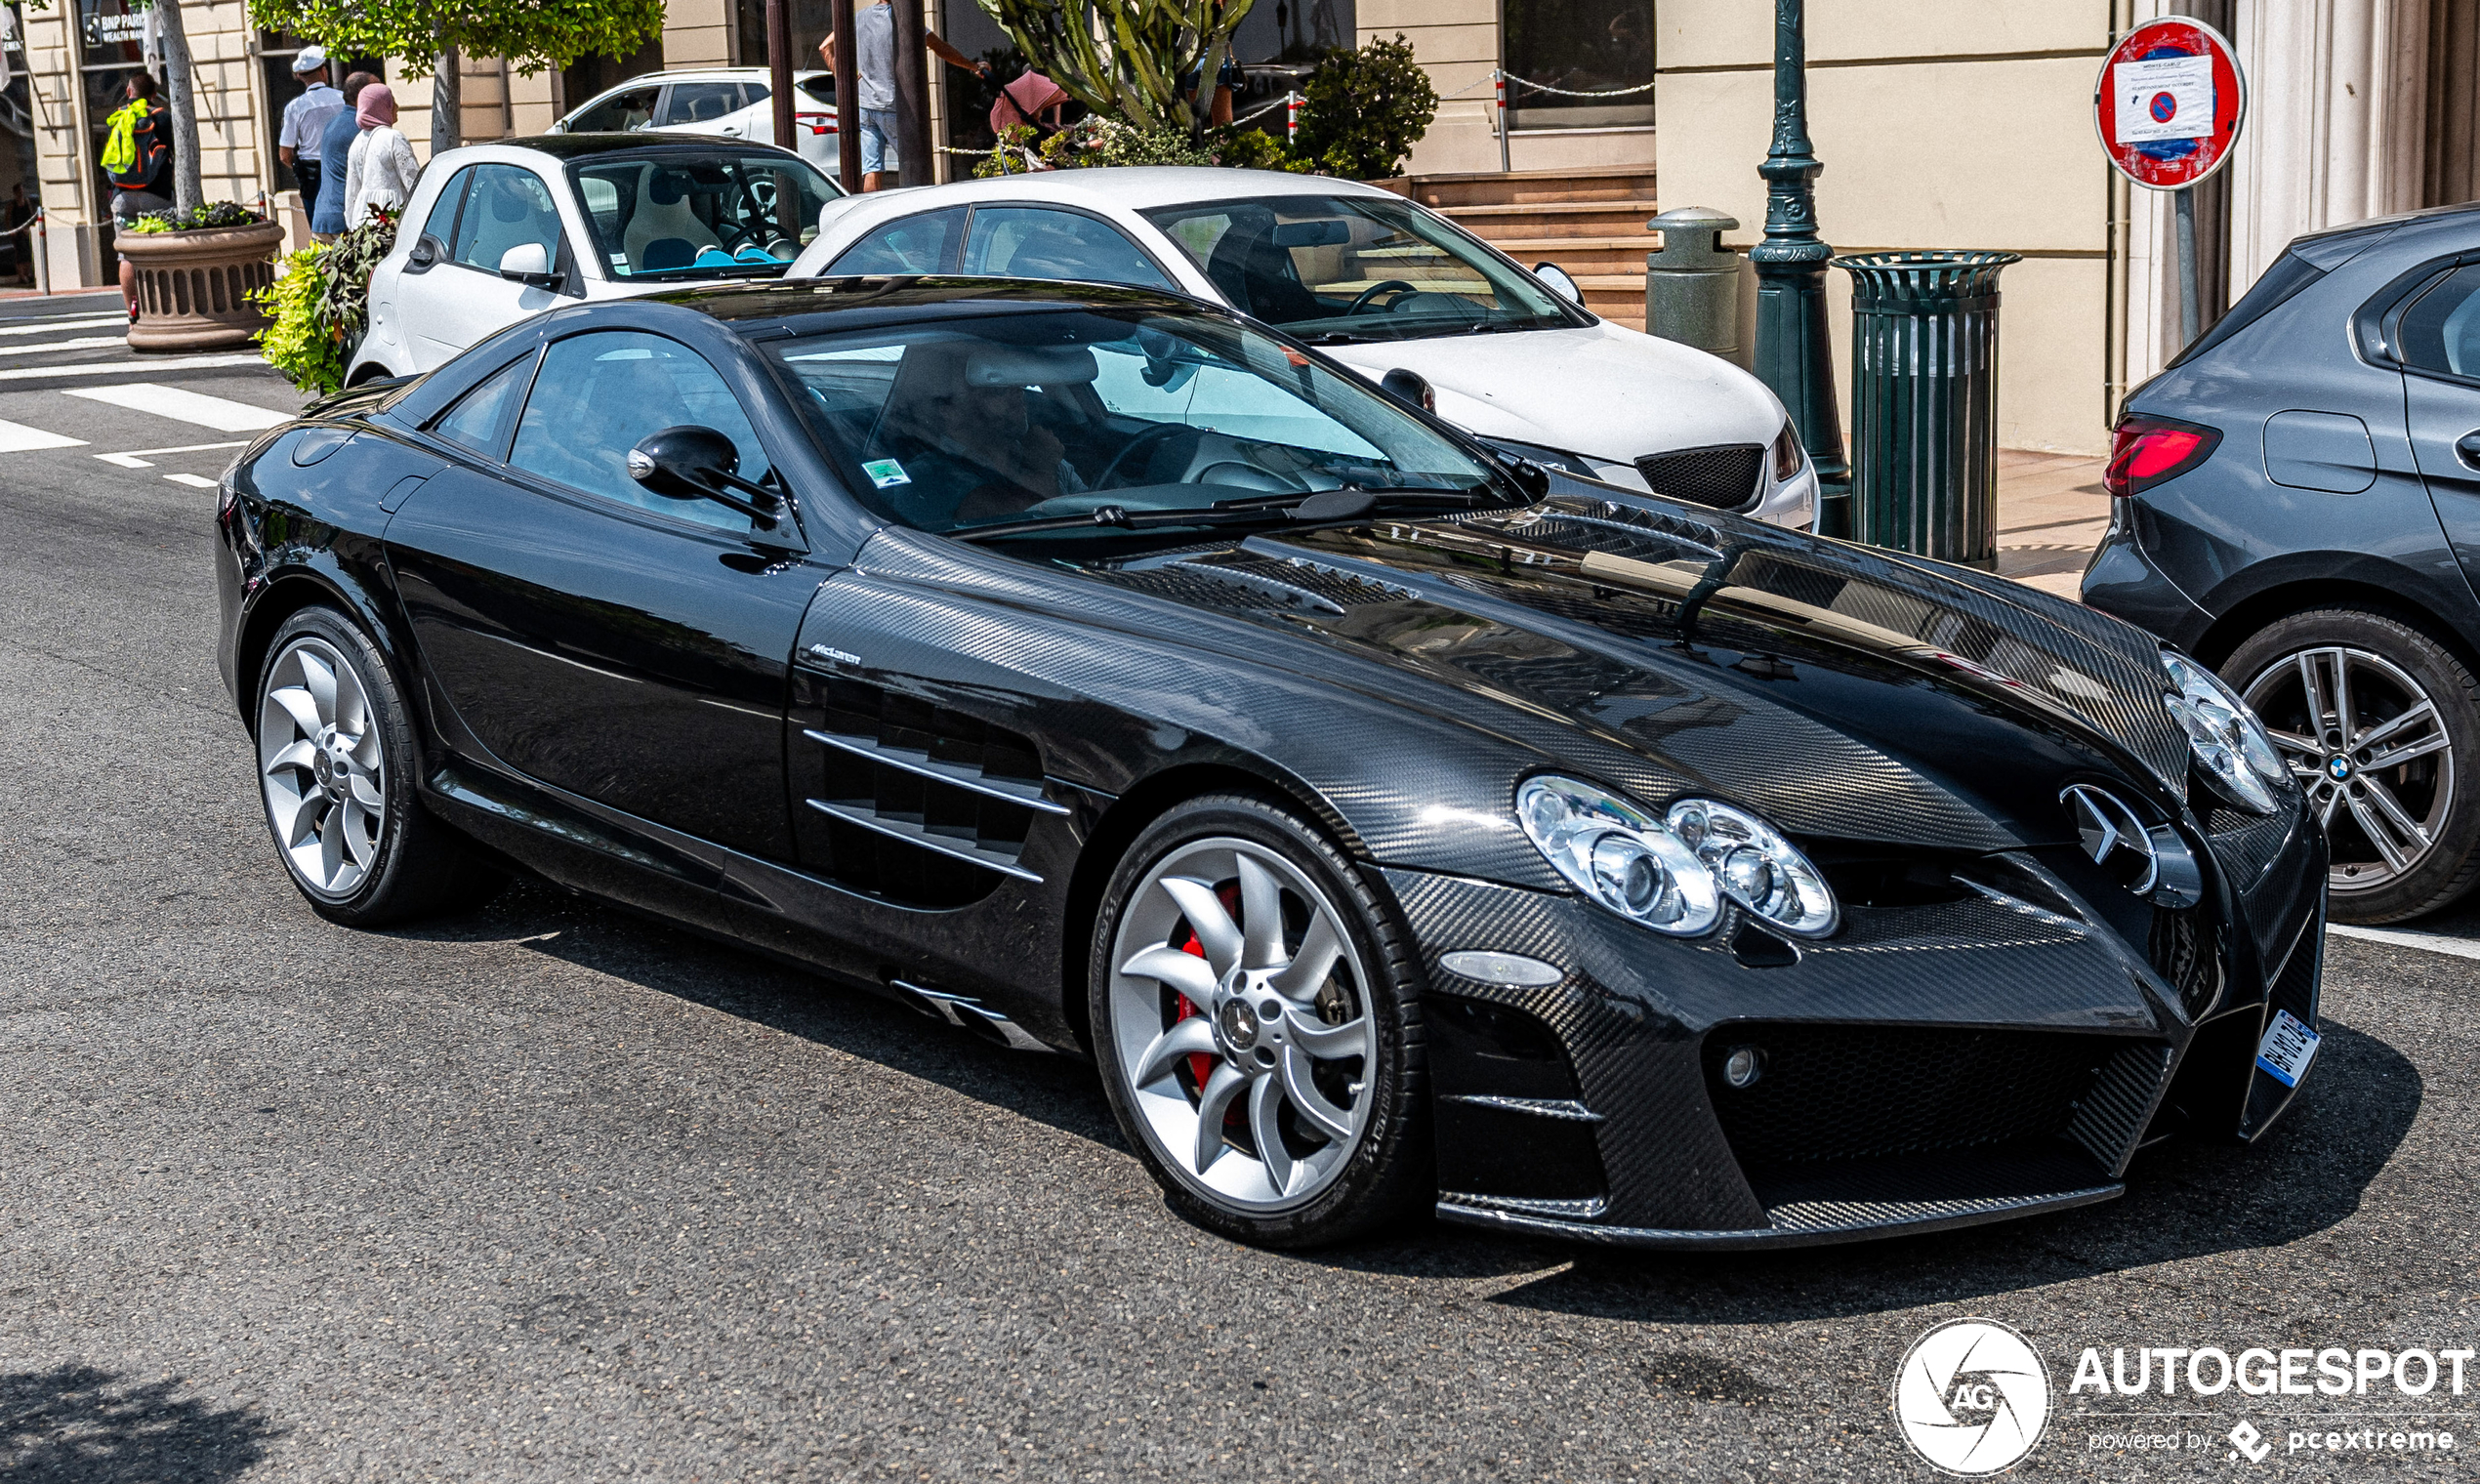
{"x":2052,"y":512}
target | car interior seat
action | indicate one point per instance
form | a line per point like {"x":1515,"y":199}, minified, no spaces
{"x":958,"y":419}
{"x":663,"y":232}
{"x":1048,"y":252}
{"x":1257,"y":276}
{"x":518,"y":211}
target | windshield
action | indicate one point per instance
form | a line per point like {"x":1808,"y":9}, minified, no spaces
{"x":674,"y":215}
{"x":948,"y":426}
{"x":1334,"y":269}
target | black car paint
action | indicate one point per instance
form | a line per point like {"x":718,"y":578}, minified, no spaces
{"x":1396,"y":680}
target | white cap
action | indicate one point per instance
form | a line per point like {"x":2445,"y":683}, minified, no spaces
{"x":309,"y":58}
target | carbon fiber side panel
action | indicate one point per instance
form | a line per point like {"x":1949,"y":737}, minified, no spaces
{"x":2113,"y":1113}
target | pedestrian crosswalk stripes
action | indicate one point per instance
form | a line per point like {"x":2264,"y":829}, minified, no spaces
{"x":184,"y":405}
{"x":123,"y":368}
{"x":178,"y":419}
{"x":79,"y":322}
{"x":81,"y":342}
{"x":142,"y":457}
{"x":18,"y":438}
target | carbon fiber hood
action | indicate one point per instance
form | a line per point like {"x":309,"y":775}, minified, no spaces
{"x":1845,"y":690}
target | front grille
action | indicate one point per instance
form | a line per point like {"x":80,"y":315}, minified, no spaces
{"x":2297,"y":990}
{"x":1859,"y":1092}
{"x":1724,"y":478}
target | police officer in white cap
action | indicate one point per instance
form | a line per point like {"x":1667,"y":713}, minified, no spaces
{"x":305,"y":119}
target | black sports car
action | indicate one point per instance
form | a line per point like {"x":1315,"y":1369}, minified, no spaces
{"x":1098,"y":671}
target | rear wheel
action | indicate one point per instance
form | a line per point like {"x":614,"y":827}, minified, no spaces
{"x":2380,"y":724}
{"x":1257,"y":1019}
{"x":337,"y":765}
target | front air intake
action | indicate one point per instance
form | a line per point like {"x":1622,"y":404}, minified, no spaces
{"x":1725,"y":478}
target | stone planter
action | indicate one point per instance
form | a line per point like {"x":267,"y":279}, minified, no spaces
{"x":193,"y":286}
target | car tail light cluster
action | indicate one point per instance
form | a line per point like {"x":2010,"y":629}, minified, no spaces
{"x":2145,"y":451}
{"x":818,"y":123}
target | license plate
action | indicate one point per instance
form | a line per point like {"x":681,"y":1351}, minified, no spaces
{"x":2288,"y":1048}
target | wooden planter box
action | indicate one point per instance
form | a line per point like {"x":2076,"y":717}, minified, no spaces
{"x":193,"y":287}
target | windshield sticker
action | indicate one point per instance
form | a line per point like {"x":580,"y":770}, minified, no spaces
{"x":886,"y":473}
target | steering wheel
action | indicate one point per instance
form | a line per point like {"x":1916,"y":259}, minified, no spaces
{"x":1157,"y":433}
{"x":1374,"y":290}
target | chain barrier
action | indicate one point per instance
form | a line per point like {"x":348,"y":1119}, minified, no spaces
{"x":1543,"y":87}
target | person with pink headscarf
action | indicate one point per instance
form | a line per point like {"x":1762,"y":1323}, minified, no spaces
{"x":381,"y":170}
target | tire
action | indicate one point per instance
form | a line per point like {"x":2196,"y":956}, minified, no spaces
{"x":337,"y":764}
{"x":2401,"y":812}
{"x":1338,"y":1074}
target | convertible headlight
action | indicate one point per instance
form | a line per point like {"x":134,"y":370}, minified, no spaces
{"x":1619,"y":855}
{"x":2227,"y":740}
{"x":1756,"y":867}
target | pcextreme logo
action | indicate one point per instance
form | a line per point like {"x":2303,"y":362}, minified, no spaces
{"x":1972,"y":1397}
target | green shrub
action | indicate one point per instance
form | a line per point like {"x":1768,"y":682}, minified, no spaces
{"x":197,"y":218}
{"x":1094,"y":142}
{"x":1255,"y":149}
{"x":1364,"y":110}
{"x":321,"y":305}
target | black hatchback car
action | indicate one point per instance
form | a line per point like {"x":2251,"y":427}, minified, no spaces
{"x":2298,"y":503}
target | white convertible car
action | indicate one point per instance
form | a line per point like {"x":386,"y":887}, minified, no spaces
{"x":1381,"y":284}
{"x":497,"y":233}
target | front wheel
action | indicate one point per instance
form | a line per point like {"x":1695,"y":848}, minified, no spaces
{"x":2380,"y":724}
{"x":1256,"y":1019}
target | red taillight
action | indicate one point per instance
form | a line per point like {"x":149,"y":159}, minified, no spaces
{"x":2145,"y":451}
{"x":819,"y":123}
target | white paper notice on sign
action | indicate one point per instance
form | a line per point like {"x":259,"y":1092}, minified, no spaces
{"x":2168,"y":97}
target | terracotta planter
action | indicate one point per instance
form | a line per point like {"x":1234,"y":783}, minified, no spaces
{"x":193,"y":286}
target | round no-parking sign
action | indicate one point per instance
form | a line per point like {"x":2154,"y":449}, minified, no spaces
{"x":2169,"y":103}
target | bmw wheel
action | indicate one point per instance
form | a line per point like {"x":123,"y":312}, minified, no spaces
{"x":337,"y":764}
{"x":2380,"y":724}
{"x":1255,"y":1014}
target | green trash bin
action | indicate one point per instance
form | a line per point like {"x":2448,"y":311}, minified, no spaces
{"x":1924,"y":403}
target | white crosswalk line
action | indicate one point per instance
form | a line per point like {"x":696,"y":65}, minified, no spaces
{"x":81,"y":322}
{"x":219,"y":413}
{"x":123,"y":368}
{"x":195,"y":481}
{"x":82,"y":343}
{"x":141,"y":458}
{"x":18,"y":438}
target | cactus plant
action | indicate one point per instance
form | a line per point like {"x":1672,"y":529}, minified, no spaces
{"x":1124,"y":58}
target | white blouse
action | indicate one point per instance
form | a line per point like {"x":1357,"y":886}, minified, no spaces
{"x":379,"y":171}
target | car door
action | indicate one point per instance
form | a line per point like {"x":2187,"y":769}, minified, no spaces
{"x":1048,"y":242}
{"x":2436,"y":340}
{"x":458,"y":298}
{"x":592,"y":636}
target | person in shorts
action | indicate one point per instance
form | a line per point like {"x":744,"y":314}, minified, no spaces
{"x":874,"y":32}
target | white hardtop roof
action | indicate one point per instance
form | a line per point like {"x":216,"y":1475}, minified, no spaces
{"x":1135,"y":187}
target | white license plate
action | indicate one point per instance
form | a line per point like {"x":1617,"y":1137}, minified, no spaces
{"x":2288,"y":1048}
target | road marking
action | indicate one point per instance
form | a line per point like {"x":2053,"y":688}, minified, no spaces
{"x":137,"y":458}
{"x":2433,"y":942}
{"x":81,"y":322}
{"x":195,"y":481}
{"x":18,"y":438}
{"x":123,"y":368}
{"x":83,"y":342}
{"x":219,"y":413}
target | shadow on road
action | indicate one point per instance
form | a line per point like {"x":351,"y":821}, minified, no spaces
{"x":76,"y":1424}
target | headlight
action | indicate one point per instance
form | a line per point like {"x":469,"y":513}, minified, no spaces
{"x":1788,"y":454}
{"x":1756,"y":867}
{"x":1619,"y":855}
{"x":2227,"y":740}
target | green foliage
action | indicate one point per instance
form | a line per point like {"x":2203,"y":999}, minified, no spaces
{"x":1256,"y":149}
{"x":1095,"y":143}
{"x":196,"y":219}
{"x":533,"y":37}
{"x":321,"y":305}
{"x":1135,"y":74}
{"x":1364,"y":110}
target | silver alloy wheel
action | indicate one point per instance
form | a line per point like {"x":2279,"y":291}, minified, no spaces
{"x":1256,"y":1019}
{"x":321,"y":768}
{"x":2368,"y":744}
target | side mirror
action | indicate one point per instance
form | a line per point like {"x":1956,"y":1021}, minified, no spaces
{"x":1530,"y":478}
{"x":1555,"y":279}
{"x":530,"y":263}
{"x":692,"y":463}
{"x":425,"y":252}
{"x":1412,"y":387}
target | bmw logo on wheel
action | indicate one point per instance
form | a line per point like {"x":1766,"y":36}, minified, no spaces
{"x":1972,"y":1397}
{"x":2338,"y":769}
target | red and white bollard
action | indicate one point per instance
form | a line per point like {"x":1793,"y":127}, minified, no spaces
{"x":1292,"y":117}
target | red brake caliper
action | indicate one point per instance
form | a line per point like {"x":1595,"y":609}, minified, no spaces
{"x":1200,"y":1065}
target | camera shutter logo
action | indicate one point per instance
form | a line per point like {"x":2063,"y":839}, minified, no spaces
{"x":1972,"y":1397}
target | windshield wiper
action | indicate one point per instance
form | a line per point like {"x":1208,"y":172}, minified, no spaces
{"x":1350,"y":503}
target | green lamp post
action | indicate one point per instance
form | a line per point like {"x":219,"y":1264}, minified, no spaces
{"x":1794,"y":355}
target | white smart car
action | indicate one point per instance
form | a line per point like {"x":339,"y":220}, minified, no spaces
{"x":1383,"y":286}
{"x":497,"y":233}
{"x":726,"y":103}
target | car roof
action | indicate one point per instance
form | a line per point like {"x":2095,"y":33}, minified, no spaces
{"x":707,"y":75}
{"x":781,"y":298}
{"x":574,"y":146}
{"x":1137,"y":187}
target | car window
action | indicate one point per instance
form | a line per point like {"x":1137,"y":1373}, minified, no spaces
{"x":965,"y":422}
{"x":506,"y":207}
{"x":620,"y":113}
{"x":441,"y":223}
{"x":820,"y":90}
{"x":2441,"y":331}
{"x":725,"y":214}
{"x":479,"y":418}
{"x":601,"y":394}
{"x":911,"y":245}
{"x":1357,"y":268}
{"x":757,"y":92}
{"x":1032,"y":242}
{"x":699,"y":102}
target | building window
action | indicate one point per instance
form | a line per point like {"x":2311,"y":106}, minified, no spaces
{"x":812,"y":20}
{"x":1577,"y":46}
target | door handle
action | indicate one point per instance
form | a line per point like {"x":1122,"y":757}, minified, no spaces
{"x":2469,"y":448}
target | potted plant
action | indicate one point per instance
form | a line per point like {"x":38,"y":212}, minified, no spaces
{"x":198,"y":272}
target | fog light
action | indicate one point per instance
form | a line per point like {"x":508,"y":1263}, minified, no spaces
{"x":1743,"y":1066}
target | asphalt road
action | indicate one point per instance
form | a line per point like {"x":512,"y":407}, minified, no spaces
{"x":548,"y":1192}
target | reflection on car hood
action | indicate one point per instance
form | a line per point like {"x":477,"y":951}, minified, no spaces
{"x":1820,"y":681}
{"x":1600,"y":391}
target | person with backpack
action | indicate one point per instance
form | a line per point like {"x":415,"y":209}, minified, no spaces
{"x":137,"y":152}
